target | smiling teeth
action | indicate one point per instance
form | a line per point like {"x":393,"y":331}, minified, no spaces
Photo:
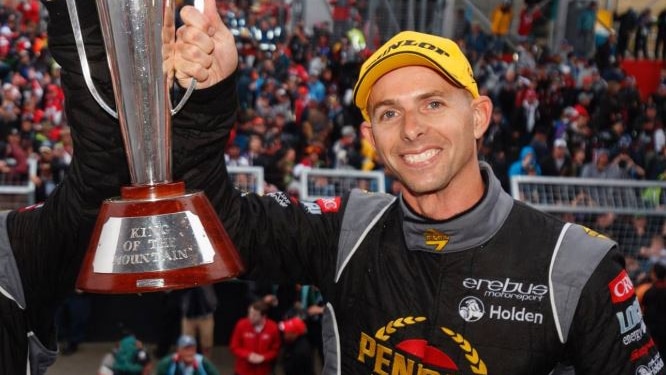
{"x":417,"y":158}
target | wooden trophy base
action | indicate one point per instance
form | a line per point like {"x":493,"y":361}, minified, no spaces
{"x":155,"y":238}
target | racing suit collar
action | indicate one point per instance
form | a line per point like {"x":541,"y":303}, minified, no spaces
{"x":465,"y":231}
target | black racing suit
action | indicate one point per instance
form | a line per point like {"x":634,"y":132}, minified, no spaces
{"x":41,"y":247}
{"x":501,"y":289}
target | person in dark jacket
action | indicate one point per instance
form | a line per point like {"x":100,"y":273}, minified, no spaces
{"x":297,"y":356}
{"x":42,"y":246}
{"x":654,"y":306}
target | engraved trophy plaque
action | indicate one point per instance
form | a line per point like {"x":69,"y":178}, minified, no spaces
{"x":157,"y":235}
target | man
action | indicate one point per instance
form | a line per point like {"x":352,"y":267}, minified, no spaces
{"x":452,"y":276}
{"x":186,"y":360}
{"x":41,"y":247}
{"x":558,"y":163}
{"x":297,"y":356}
{"x":255,"y":342}
{"x":654,"y":305}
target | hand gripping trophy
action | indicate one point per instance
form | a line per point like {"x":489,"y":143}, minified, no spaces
{"x":156,"y":235}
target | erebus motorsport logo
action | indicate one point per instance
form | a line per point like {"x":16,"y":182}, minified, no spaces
{"x":472,"y":309}
{"x":507,"y":288}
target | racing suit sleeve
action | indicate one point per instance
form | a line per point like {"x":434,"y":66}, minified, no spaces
{"x":49,"y":240}
{"x":608,"y":335}
{"x":279,"y":240}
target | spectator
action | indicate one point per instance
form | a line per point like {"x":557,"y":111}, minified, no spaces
{"x":526,"y":165}
{"x":296,"y":356}
{"x":628,"y":21}
{"x":558,"y":163}
{"x":496,"y":142}
{"x":660,"y":42}
{"x":636,"y":236}
{"x":255,"y":342}
{"x":128,"y":358}
{"x":476,"y":42}
{"x":529,"y":14}
{"x":198,"y":307}
{"x":654,"y":307}
{"x":462,"y":25}
{"x":643,"y":25}
{"x":346,"y":150}
{"x":500,"y":24}
{"x":587,"y":19}
{"x":186,"y":360}
{"x":528,"y":117}
{"x":654,"y":253}
{"x":601,"y":167}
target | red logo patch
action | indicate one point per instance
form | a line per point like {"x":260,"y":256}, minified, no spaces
{"x":621,"y":288}
{"x":329,"y":204}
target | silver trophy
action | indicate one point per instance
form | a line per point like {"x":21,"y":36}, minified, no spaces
{"x":157,"y":235}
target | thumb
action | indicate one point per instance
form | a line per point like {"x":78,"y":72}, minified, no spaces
{"x":211,"y":14}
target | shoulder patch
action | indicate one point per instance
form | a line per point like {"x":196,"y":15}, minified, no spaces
{"x":329,"y":204}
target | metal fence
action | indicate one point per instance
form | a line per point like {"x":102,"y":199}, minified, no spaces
{"x":629,"y":211}
{"x":249,"y":179}
{"x":320,"y":182}
{"x":16,"y":194}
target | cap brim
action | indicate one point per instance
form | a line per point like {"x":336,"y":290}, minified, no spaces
{"x":389,"y":63}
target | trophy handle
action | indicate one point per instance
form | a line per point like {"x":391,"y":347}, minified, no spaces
{"x":85,"y":67}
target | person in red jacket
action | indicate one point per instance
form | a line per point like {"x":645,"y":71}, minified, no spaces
{"x":255,"y":342}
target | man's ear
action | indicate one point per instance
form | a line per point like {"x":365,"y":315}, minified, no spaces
{"x":482,"y":108}
{"x":366,"y":132}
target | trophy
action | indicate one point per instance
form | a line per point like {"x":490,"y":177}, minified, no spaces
{"x":157,"y":235}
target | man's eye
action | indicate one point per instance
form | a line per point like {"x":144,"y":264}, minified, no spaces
{"x":435,"y":105}
{"x":387,"y":115}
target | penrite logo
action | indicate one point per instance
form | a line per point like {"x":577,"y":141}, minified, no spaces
{"x":621,"y":288}
{"x":415,"y":356}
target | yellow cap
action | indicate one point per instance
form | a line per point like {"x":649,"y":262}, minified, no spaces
{"x":409,"y":48}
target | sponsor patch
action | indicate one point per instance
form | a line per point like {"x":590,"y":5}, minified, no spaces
{"x":507,"y":288}
{"x":621,"y":288}
{"x":311,"y":208}
{"x":281,"y":198}
{"x":635,"y":335}
{"x":652,"y":368}
{"x":436,"y":239}
{"x":329,"y":204}
{"x":630,"y":318}
{"x":641,"y":352}
{"x":415,"y":355}
{"x":472,"y":309}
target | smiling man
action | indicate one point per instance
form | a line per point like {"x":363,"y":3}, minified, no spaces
{"x":452,"y":276}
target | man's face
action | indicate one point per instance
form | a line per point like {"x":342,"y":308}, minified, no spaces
{"x":254,"y":316}
{"x":425,"y":129}
{"x":187,"y":354}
